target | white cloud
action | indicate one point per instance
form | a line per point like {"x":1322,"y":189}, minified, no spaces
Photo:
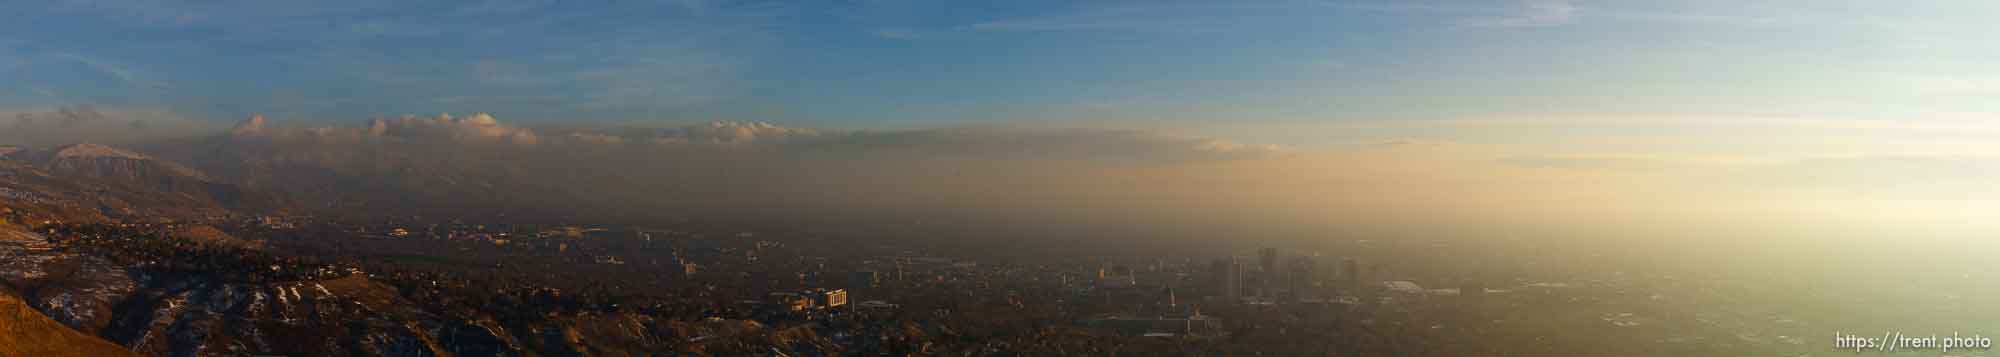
{"x":479,"y":127}
{"x":444,"y":128}
{"x":732,"y":133}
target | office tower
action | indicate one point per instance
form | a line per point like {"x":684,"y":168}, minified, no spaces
{"x":1235,"y":278}
{"x":864,"y":278}
{"x":1228,"y":278}
{"x":1301,"y":278}
{"x":902,"y":269}
{"x":1352,"y":270}
{"x":1218,"y":275}
{"x":1267,"y":261}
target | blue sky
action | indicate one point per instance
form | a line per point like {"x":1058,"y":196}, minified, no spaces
{"x":930,"y":63}
{"x":1825,"y":110}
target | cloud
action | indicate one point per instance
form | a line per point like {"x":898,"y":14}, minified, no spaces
{"x":897,"y":34}
{"x":480,"y":128}
{"x":1170,"y":19}
{"x":1103,"y":176}
{"x":595,"y":138}
{"x":1092,"y":145}
{"x":392,"y":29}
{"x":86,"y":123}
{"x":1534,"y":13}
{"x":466,"y":99}
{"x":149,"y":13}
{"x":1215,"y":17}
{"x":121,"y":72}
{"x":1389,"y":7}
{"x":481,"y":164}
{"x":605,"y":59}
{"x":731,"y":133}
{"x":1878,"y":177}
{"x":1602,"y":162}
{"x":1962,"y":84}
{"x":1103,"y":145}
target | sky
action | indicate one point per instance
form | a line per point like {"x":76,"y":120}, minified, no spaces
{"x":1878,"y":115}
{"x":864,"y":64}
{"x":1841,"y":130}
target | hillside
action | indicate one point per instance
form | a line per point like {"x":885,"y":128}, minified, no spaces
{"x":25,"y":332}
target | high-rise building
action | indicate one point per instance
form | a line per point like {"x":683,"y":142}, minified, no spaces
{"x":1267,"y":259}
{"x":864,"y":279}
{"x":834,"y":298}
{"x":1218,"y":272}
{"x":902,"y":269}
{"x":1235,"y":278}
{"x":1267,"y":262}
{"x":1301,"y":281}
{"x":1229,"y":278}
{"x":1352,"y":272}
{"x":1117,"y":277}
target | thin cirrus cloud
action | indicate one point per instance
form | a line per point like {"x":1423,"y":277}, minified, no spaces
{"x":1533,"y":13}
{"x":121,"y":72}
{"x":650,"y":56}
{"x":1165,"y":19}
{"x":897,"y":34}
{"x":1215,"y":18}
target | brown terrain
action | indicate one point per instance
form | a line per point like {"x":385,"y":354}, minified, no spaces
{"x":103,"y":253}
{"x":25,"y":332}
